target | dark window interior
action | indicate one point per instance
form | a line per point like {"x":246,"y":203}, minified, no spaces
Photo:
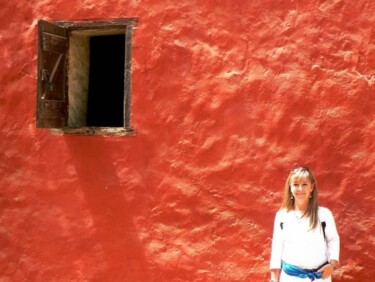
{"x":106,"y":81}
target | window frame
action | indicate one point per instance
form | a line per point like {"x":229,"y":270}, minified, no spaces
{"x":58,"y":122}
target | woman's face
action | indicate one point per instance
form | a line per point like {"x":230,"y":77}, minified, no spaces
{"x":301,"y":188}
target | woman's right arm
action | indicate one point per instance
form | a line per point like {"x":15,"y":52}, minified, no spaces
{"x":277,"y":248}
{"x":275,"y":273}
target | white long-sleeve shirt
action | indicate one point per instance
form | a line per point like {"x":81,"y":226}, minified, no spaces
{"x":296,"y":244}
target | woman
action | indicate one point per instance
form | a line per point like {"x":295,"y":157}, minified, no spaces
{"x":305,"y":244}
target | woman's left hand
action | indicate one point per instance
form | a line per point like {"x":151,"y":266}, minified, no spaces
{"x":326,"y":270}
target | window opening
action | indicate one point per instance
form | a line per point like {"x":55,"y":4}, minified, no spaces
{"x":106,"y":81}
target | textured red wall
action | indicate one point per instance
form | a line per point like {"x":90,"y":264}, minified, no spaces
{"x":227,"y":96}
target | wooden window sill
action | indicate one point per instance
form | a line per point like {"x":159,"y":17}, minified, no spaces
{"x":98,"y":131}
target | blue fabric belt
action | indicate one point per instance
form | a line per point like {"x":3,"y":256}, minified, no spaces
{"x":296,"y":271}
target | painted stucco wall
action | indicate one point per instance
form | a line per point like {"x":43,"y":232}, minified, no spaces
{"x":227,"y":97}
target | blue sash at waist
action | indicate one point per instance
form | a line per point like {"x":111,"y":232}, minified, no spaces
{"x":296,"y":271}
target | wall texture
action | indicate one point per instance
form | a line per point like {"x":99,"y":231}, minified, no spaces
{"x":227,"y":97}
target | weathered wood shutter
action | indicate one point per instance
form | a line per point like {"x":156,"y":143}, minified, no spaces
{"x":52,"y":100}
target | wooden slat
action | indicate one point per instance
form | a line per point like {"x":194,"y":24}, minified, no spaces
{"x":99,"y":24}
{"x":127,"y":75}
{"x":54,"y":43}
{"x":53,"y":108}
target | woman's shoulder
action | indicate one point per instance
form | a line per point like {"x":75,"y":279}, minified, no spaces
{"x":281,"y":213}
{"x":324,"y":212}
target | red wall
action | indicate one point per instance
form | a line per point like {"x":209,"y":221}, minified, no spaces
{"x":227,"y":97}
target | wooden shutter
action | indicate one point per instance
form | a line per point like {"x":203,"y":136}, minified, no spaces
{"x":52,"y":100}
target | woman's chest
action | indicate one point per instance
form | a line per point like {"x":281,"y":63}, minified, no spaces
{"x":300,"y":232}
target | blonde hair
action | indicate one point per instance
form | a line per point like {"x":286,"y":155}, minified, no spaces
{"x":288,"y":201}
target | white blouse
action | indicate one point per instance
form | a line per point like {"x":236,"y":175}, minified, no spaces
{"x":296,"y":244}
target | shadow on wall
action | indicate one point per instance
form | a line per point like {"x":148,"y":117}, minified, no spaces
{"x":111,"y":212}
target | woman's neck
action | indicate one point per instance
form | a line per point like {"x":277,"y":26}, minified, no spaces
{"x":302,"y":207}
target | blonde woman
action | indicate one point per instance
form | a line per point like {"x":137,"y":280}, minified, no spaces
{"x":305,"y":243}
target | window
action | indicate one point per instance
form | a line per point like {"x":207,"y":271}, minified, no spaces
{"x":84,"y":76}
